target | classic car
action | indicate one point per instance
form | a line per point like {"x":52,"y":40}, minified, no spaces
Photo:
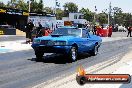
{"x":69,"y":41}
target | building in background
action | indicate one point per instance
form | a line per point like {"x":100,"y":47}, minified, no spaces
{"x":13,"y":18}
{"x":46,"y":20}
{"x":76,"y":19}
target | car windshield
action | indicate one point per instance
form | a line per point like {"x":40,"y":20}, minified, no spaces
{"x":67,"y":32}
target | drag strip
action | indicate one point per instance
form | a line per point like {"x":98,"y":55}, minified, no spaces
{"x":11,"y":38}
{"x":19,"y":70}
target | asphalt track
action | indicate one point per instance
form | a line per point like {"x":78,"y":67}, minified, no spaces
{"x":19,"y":70}
{"x":11,"y":38}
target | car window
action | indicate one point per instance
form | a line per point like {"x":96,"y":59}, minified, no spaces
{"x":84,"y":33}
{"x":67,"y":32}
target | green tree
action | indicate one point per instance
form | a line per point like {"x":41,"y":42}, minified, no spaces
{"x":48,"y":10}
{"x":22,"y":5}
{"x":2,"y":4}
{"x":18,"y":4}
{"x":33,"y":6}
{"x":70,"y":7}
{"x":88,"y":15}
{"x":102,"y":18}
{"x":127,"y":19}
{"x":59,"y":13}
{"x":118,"y":15}
{"x":36,"y":6}
{"x":40,"y":6}
{"x":11,"y":4}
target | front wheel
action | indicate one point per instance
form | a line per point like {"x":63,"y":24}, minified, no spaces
{"x":39,"y":56}
{"x":73,"y":54}
{"x":94,"y":52}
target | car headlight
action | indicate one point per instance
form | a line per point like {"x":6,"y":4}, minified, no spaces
{"x":36,"y":41}
{"x":60,"y":42}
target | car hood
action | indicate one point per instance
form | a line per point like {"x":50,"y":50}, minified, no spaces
{"x":95,"y":37}
{"x":58,"y":38}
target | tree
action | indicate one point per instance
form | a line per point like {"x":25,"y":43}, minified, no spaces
{"x":127,"y":19}
{"x":118,"y":16}
{"x":102,"y":18}
{"x":2,"y":4}
{"x":22,"y":5}
{"x":60,"y":13}
{"x":48,"y":10}
{"x":11,"y":4}
{"x":88,"y":15}
{"x":34,"y":6}
{"x":17,"y":4}
{"x":70,"y":7}
{"x":40,"y":6}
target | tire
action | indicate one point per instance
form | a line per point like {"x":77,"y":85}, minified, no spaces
{"x":94,"y":52}
{"x":39,"y":56}
{"x":73,"y":54}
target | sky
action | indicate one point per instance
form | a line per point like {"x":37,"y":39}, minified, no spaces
{"x":101,"y":5}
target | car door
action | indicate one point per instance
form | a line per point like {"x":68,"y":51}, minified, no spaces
{"x":87,"y":43}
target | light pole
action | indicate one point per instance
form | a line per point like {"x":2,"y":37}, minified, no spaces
{"x":109,"y":13}
{"x":55,"y":6}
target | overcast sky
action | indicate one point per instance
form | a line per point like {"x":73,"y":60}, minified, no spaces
{"x":126,"y":5}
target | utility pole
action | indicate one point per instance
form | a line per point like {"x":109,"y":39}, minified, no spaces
{"x":29,"y":5}
{"x":55,"y":7}
{"x":95,"y":15}
{"x":109,"y":13}
{"x":57,"y":4}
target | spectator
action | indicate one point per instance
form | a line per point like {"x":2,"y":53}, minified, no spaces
{"x":129,"y":31}
{"x":110,"y":31}
{"x":94,"y":30}
{"x":29,"y":29}
{"x":39,"y":30}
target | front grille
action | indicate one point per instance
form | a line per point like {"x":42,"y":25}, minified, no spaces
{"x":44,"y":42}
{"x":47,"y":42}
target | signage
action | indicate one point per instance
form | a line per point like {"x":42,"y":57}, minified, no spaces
{"x":1,"y":32}
{"x":14,"y":11}
{"x":25,"y":13}
{"x":10,"y":11}
{"x":2,"y":11}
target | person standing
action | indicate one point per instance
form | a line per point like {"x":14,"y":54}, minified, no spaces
{"x":129,"y":31}
{"x":29,"y":28}
{"x":94,"y":30}
{"x":39,"y":30}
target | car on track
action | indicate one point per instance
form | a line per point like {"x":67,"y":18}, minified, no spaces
{"x":69,"y":41}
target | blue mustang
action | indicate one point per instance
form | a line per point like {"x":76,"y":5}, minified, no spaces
{"x":69,"y":41}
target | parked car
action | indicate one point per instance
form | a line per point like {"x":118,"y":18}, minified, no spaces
{"x":69,"y":41}
{"x":122,"y":29}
